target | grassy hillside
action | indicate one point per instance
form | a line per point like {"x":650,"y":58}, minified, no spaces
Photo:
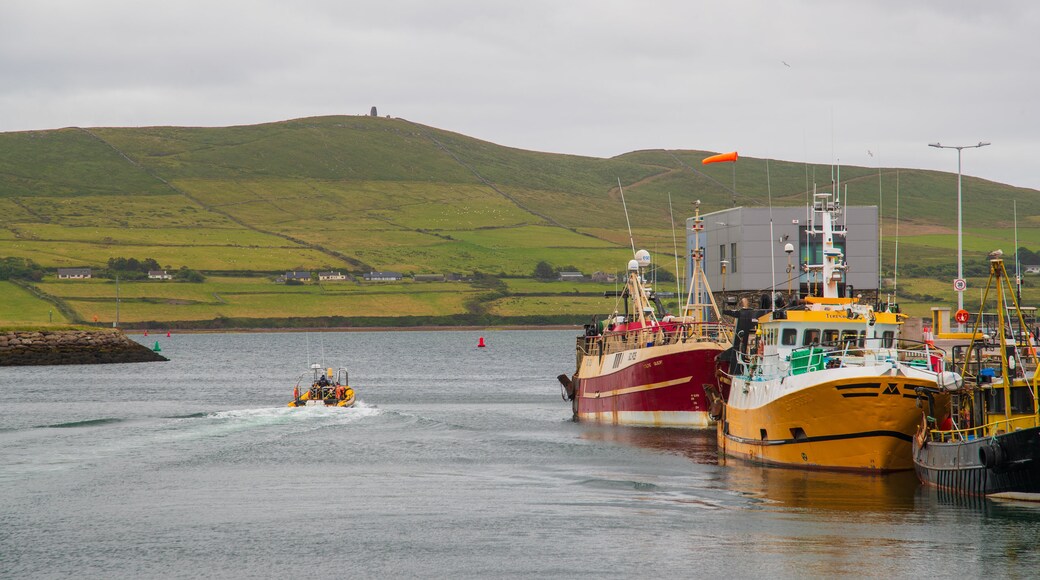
{"x":364,"y":193}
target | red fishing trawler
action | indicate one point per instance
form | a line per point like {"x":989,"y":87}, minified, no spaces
{"x":641,"y":366}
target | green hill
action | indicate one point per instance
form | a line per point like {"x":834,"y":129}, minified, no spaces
{"x":361,"y":194}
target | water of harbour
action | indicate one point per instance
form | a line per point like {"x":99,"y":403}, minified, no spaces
{"x":458,"y":462}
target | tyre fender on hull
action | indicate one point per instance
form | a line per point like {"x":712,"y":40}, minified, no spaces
{"x":992,"y":456}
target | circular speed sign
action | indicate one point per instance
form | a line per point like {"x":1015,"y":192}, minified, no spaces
{"x":961,"y":316}
{"x":960,"y":285}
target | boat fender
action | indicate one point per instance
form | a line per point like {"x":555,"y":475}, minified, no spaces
{"x":992,"y":456}
{"x":715,"y":410}
{"x":950,"y":381}
{"x":568,"y":387}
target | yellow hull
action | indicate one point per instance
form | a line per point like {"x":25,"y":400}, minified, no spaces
{"x":850,"y":424}
{"x":305,"y":401}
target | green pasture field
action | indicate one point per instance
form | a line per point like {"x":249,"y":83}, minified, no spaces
{"x":448,"y":256}
{"x":222,"y":286}
{"x":405,"y":286}
{"x":361,"y":243}
{"x":487,"y":209}
{"x":168,"y":211}
{"x":532,"y":286}
{"x":66,"y":254}
{"x":135,"y":236}
{"x":164,"y":290}
{"x":654,"y":241}
{"x":334,"y":147}
{"x":551,"y":305}
{"x":11,"y":212}
{"x":20,"y":307}
{"x":529,"y":237}
{"x":278,"y":305}
{"x":979,"y":240}
{"x":419,"y":206}
{"x":67,"y":162}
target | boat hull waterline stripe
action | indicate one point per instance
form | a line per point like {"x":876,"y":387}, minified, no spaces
{"x":637,"y":389}
{"x":821,"y":438}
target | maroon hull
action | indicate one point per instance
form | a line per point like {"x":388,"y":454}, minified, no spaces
{"x":655,"y":388}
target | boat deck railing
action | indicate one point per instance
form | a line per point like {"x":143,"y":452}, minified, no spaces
{"x":683,"y":332}
{"x":852,"y":354}
{"x":990,"y":429}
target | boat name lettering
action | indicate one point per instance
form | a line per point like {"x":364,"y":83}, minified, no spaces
{"x":656,"y":363}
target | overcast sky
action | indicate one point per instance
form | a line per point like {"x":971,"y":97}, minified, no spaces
{"x":863,"y":83}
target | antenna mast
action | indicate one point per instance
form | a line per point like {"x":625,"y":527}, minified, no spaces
{"x":625,"y":206}
{"x":675,"y":250}
{"x":772,"y":259}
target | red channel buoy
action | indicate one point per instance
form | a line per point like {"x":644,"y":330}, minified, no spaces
{"x":480,"y":344}
{"x":167,"y":334}
{"x":146,"y":333}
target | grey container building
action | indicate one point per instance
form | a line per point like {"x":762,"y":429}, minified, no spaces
{"x":740,"y":236}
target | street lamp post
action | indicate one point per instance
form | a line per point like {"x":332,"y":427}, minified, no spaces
{"x":960,"y":247}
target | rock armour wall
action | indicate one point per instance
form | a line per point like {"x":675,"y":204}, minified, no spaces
{"x":71,"y":347}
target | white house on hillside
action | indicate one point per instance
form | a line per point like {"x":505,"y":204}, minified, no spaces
{"x":73,"y":273}
{"x":325,"y":276}
{"x":383,"y":276}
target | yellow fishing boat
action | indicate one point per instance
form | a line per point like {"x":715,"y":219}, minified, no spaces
{"x":991,"y":444}
{"x":828,"y":384}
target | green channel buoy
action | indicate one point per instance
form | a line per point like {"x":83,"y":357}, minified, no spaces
{"x":156,"y":347}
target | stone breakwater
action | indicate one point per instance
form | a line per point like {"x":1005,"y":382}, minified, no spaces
{"x":71,"y":347}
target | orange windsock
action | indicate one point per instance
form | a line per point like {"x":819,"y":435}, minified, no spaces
{"x":731,"y":156}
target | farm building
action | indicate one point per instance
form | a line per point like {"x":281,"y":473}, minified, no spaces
{"x":383,"y":276}
{"x":73,"y":273}
{"x":328,"y":276}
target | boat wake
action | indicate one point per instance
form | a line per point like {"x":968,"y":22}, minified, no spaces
{"x":84,"y":423}
{"x":264,"y":416}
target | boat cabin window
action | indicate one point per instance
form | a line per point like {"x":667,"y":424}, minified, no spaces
{"x":862,"y":338}
{"x":812,"y":336}
{"x":1021,"y":400}
{"x":887,"y":338}
{"x":771,"y":335}
{"x":849,"y":338}
{"x":830,"y":337}
{"x":789,"y":337}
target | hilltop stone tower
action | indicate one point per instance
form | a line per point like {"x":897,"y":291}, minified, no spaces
{"x":373,"y":113}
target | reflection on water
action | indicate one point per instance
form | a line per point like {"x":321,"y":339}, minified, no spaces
{"x":699,"y":445}
{"x":823,"y":490}
{"x":782,"y":488}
